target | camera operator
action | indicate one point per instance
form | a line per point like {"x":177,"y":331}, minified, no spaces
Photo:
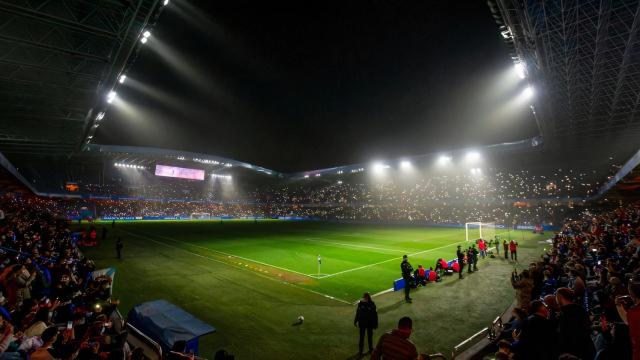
{"x":523,"y":285}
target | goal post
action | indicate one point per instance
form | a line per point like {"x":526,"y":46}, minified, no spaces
{"x":200,"y":216}
{"x":479,"y":230}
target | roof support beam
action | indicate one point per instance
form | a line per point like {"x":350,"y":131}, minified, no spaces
{"x":54,"y":20}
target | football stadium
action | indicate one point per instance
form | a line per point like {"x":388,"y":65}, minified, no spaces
{"x":185,"y":179}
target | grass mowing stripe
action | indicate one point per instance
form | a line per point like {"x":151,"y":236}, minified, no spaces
{"x":331,"y":243}
{"x":237,"y":267}
{"x":232,"y":255}
{"x":386,"y":261}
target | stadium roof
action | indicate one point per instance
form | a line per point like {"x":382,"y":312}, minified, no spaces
{"x":583,"y":59}
{"x":138,"y":154}
{"x":58,"y":61}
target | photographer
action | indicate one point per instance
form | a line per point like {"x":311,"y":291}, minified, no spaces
{"x":523,"y":285}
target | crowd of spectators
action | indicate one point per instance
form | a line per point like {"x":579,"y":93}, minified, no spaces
{"x":493,"y":196}
{"x":50,"y":306}
{"x":582,"y":299}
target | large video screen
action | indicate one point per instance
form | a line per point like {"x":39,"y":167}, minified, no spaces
{"x":178,"y":172}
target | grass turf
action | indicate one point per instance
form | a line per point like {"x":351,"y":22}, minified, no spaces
{"x":251,"y":281}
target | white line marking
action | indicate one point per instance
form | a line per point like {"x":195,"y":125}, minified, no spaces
{"x":335,"y":244}
{"x":238,"y":267}
{"x":236,"y":256}
{"x":386,"y":261}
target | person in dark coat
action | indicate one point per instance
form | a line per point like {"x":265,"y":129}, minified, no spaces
{"x":506,"y":249}
{"x":574,"y":327}
{"x":119,"y":246}
{"x":407,"y":272}
{"x":537,"y":335}
{"x":366,"y":320}
{"x":460,"y":256}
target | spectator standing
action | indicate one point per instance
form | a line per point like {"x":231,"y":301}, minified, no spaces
{"x":469,"y":261}
{"x":513,"y":248}
{"x":523,"y":285}
{"x":407,"y":271}
{"x":537,"y":335}
{"x":395,"y":344}
{"x":366,"y":320}
{"x":574,"y":327}
{"x":629,"y":311}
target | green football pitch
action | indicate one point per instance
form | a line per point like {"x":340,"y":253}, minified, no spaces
{"x":251,"y":281}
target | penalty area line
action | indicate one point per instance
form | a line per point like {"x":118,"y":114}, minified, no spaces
{"x":238,"y":267}
{"x":386,"y":261}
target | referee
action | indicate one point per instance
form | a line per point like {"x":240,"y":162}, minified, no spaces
{"x":407,"y":270}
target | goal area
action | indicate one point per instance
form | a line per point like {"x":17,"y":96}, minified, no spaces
{"x":479,"y":230}
{"x":200,"y":216}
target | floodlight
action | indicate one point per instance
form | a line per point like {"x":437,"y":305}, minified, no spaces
{"x":520,"y":70}
{"x":472,"y":156}
{"x":405,"y":164}
{"x":143,"y":40}
{"x":378,"y":168}
{"x":528,"y":92}
{"x":122,"y":78}
{"x":339,"y":182}
{"x":444,"y":160}
{"x":146,"y":34}
{"x":112,"y":96}
{"x":306,"y":176}
{"x":100,"y":116}
{"x":165,"y":2}
{"x":318,"y":175}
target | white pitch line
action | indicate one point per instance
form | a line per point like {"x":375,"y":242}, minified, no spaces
{"x":238,"y":267}
{"x":236,"y":256}
{"x":335,"y":244}
{"x":386,"y":261}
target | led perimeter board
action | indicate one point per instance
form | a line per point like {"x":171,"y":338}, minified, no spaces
{"x":178,"y":172}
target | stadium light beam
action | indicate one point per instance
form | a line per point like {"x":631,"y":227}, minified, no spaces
{"x":528,"y":92}
{"x":520,"y":70}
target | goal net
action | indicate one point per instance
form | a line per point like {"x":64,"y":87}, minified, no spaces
{"x":200,"y":216}
{"x":479,"y":230}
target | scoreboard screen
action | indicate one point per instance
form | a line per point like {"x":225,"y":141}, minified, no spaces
{"x":178,"y":172}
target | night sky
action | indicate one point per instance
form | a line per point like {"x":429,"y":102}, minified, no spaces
{"x":314,"y":86}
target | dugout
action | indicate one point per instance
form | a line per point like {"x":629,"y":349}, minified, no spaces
{"x":157,"y":325}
